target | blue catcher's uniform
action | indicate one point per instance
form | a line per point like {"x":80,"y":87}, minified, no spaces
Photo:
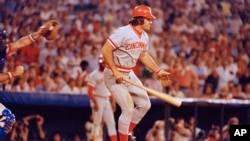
{"x":3,"y":48}
{"x":7,"y":119}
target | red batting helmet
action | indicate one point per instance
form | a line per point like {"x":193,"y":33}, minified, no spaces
{"x":143,"y":11}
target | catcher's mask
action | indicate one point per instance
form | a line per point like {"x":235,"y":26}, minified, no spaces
{"x":3,"y":48}
{"x":3,"y":35}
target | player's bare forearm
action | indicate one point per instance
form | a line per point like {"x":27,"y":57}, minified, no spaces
{"x":24,"y":41}
{"x":11,"y":74}
{"x":107,"y":52}
{"x":4,"y":77}
{"x":148,"y":61}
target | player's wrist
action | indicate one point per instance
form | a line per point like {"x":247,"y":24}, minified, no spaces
{"x":158,"y":71}
{"x":34,"y":36}
{"x":31,"y":37}
{"x":10,"y":75}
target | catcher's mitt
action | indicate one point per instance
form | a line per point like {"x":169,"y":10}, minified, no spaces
{"x":50,"y":29}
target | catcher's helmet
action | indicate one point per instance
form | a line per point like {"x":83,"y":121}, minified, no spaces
{"x":3,"y":48}
{"x":2,"y":35}
{"x":143,"y":11}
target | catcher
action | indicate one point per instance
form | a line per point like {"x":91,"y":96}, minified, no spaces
{"x":49,"y":31}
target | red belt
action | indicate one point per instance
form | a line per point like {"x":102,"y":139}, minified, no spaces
{"x":122,"y":69}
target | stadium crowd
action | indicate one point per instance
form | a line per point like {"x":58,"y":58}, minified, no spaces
{"x":205,"y":44}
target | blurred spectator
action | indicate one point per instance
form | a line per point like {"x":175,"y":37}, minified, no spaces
{"x":226,"y":128}
{"x":208,"y":91}
{"x":70,"y":87}
{"x":92,"y":59}
{"x":82,"y":77}
{"x":34,"y":74}
{"x":66,"y":77}
{"x":154,"y":83}
{"x":181,"y":133}
{"x":30,"y":54}
{"x":31,"y":83}
{"x":74,"y":68}
{"x":184,"y":75}
{"x":20,"y":85}
{"x":231,"y":87}
{"x":200,"y":70}
{"x":244,"y":77}
{"x":57,"y":81}
{"x":56,"y":136}
{"x":239,"y":94}
{"x":175,"y":90}
{"x":213,"y":134}
{"x":156,"y":133}
{"x":226,"y":71}
{"x":47,"y":11}
{"x":213,"y":79}
{"x":77,"y":137}
{"x":29,"y":128}
{"x":193,"y":91}
{"x":211,"y":27}
{"x":61,"y":59}
{"x":45,"y":86}
{"x":224,"y":93}
{"x":49,"y":50}
{"x":197,"y":132}
{"x":50,"y":65}
{"x":247,"y":91}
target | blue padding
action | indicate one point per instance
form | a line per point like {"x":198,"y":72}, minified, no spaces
{"x":44,"y":99}
{"x":82,"y":100}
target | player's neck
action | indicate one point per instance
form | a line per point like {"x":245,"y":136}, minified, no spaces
{"x":138,"y":28}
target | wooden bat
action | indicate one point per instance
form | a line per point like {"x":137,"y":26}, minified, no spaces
{"x":163,"y":96}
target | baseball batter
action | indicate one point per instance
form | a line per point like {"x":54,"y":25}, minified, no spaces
{"x":102,"y":107}
{"x":124,"y":47}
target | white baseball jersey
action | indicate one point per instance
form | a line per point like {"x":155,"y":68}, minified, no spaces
{"x":96,"y":80}
{"x":129,"y":44}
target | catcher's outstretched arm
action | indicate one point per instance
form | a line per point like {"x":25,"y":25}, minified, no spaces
{"x":24,"y":41}
{"x":49,"y":31}
{"x":9,"y":75}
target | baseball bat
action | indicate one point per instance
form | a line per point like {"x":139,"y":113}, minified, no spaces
{"x":163,"y":96}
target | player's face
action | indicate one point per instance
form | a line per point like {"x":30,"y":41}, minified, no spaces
{"x":147,"y":24}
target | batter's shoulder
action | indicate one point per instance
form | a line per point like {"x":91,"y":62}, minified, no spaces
{"x":123,"y":28}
